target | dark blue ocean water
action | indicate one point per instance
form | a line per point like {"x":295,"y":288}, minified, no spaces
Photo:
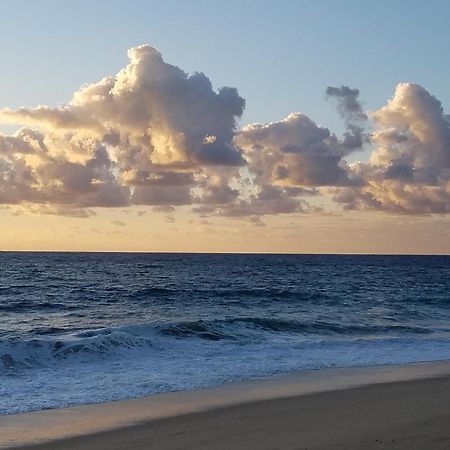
{"x":89,"y":327}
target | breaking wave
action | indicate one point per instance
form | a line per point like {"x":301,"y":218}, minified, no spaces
{"x":125,"y":342}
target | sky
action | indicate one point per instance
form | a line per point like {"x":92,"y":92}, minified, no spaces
{"x":331,"y":135}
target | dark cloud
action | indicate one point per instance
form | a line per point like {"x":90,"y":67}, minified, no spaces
{"x":161,"y":195}
{"x":347,"y":101}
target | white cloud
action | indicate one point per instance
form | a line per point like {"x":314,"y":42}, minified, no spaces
{"x":409,"y":170}
{"x":155,"y":135}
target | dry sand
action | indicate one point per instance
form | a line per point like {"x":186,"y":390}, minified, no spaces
{"x":408,"y":414}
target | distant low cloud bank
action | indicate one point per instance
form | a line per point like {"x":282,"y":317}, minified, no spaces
{"x":155,"y":135}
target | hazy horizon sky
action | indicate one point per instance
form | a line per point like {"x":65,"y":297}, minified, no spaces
{"x":106,"y":150}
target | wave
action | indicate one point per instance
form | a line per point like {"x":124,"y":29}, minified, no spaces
{"x":232,"y":328}
{"x":52,"y":346}
{"x":225,"y":293}
{"x":30,"y":306}
{"x":85,"y":347}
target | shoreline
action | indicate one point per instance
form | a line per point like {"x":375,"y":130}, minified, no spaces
{"x":70,"y":424}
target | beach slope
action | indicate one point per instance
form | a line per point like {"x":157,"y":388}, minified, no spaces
{"x":408,"y":414}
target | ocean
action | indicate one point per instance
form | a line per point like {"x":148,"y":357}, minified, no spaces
{"x":79,"y":328}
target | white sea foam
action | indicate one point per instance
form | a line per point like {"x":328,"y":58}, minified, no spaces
{"x":128,"y":362}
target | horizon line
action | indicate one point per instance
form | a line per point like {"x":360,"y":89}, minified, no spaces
{"x":150,"y":252}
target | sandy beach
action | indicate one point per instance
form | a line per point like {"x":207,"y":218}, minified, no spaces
{"x":395,"y":407}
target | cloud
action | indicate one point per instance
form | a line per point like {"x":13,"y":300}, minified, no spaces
{"x":161,"y":195}
{"x":55,"y":210}
{"x":152,"y":113}
{"x":35,"y":171}
{"x":352,"y":111}
{"x":214,"y":187}
{"x":269,"y":200}
{"x":409,"y":170}
{"x":256,"y":221}
{"x":295,"y":152}
{"x":165,"y":209}
{"x":155,"y":135}
{"x":347,"y":101}
{"x":118,"y":223}
{"x":138,"y":137}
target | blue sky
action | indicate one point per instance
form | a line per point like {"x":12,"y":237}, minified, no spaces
{"x":280,"y":55}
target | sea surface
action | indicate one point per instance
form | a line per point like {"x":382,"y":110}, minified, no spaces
{"x":80,"y":328}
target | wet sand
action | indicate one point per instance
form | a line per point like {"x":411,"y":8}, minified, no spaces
{"x":395,"y":408}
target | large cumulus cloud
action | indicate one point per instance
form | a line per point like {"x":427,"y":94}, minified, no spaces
{"x":155,"y":135}
{"x":164,"y":115}
{"x":289,"y":160}
{"x":409,"y":170}
{"x":158,"y":128}
{"x":295,"y":151}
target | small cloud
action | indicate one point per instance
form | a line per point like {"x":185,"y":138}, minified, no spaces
{"x":118,"y":223}
{"x":256,"y":221}
{"x":347,"y":102}
{"x":165,"y":209}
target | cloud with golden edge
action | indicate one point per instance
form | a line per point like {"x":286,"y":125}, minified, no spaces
{"x":155,"y":135}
